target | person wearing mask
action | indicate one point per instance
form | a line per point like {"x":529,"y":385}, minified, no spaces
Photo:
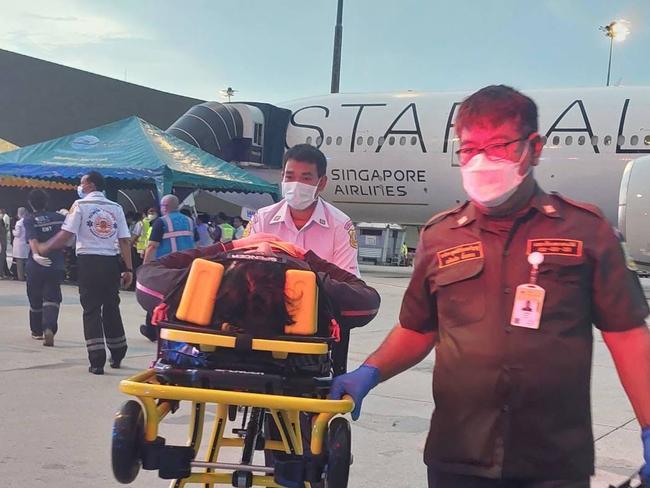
{"x":506,"y":288}
{"x":141,"y":233}
{"x":172,"y":232}
{"x":100,"y":229}
{"x":44,"y":274}
{"x":303,"y":217}
{"x":238,"y":224}
{"x":20,"y":248}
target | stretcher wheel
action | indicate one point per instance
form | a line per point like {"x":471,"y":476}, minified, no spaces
{"x":339,"y":448}
{"x":128,"y":439}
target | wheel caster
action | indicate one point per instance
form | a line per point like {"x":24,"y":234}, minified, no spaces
{"x":232,"y":412}
{"x":339,"y":458}
{"x":127,"y":442}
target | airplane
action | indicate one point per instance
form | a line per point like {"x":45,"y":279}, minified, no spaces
{"x":391,"y":156}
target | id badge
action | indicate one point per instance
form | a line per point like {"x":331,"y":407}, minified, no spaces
{"x":527,"y":309}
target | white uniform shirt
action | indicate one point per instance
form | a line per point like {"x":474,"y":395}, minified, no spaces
{"x":329,"y":232}
{"x":20,"y":248}
{"x":98,"y":223}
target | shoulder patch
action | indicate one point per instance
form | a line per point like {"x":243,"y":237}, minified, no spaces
{"x":589,"y":207}
{"x":440,"y":216}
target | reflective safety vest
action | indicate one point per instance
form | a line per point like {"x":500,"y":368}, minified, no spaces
{"x":227,"y":232}
{"x":143,"y":238}
{"x":178,"y":234}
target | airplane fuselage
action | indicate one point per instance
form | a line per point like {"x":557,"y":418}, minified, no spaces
{"x":391,"y":157}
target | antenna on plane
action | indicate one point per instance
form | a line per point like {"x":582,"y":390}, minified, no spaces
{"x":228,"y":93}
{"x":338,"y":40}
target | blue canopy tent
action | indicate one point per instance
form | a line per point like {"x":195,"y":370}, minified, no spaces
{"x":130,"y":153}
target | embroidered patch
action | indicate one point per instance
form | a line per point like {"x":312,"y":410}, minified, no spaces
{"x":459,"y":254}
{"x":557,"y":247}
{"x":353,"y":238}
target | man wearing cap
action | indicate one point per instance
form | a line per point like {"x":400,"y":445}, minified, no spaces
{"x":506,"y":288}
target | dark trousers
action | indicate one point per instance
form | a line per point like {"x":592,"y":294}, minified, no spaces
{"x":44,"y":294}
{"x":99,"y":287}
{"x":438,"y":479}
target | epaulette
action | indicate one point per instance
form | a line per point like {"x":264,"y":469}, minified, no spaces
{"x":440,"y":216}
{"x":589,"y":207}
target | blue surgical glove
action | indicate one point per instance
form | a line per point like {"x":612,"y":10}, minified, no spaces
{"x":645,"y":470}
{"x":357,"y":384}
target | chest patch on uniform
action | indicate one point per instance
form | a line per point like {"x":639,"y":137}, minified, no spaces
{"x":557,"y":247}
{"x":459,"y":254}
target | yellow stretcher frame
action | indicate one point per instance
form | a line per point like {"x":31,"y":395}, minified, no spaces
{"x":157,"y":400}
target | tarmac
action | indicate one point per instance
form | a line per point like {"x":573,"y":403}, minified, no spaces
{"x":56,"y":425}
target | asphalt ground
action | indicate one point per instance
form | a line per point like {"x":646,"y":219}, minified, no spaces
{"x":56,"y":421}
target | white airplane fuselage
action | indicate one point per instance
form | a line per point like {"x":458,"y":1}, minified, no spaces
{"x":391,"y":156}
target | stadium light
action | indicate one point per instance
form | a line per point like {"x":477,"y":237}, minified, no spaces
{"x":617,"y":30}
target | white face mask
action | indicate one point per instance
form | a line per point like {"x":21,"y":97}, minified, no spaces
{"x":491,"y":183}
{"x":299,"y":195}
{"x":81,"y":192}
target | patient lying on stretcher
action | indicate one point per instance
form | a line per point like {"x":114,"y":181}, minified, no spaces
{"x":252,"y":297}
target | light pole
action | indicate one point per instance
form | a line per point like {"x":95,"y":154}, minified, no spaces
{"x":615,"y":30}
{"x":336,"y":57}
{"x":228,"y":92}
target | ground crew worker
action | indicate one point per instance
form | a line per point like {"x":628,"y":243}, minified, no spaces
{"x":305,"y":219}
{"x":238,"y":224}
{"x":227,"y":230}
{"x":44,"y":274}
{"x":506,"y":288}
{"x":141,"y":232}
{"x":172,"y":232}
{"x":99,"y":226}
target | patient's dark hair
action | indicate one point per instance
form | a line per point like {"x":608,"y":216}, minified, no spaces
{"x":251,"y":299}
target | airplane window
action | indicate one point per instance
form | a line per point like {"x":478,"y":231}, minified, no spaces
{"x":620,"y":140}
{"x":646,"y":140}
{"x":380,"y":141}
{"x":581,"y":140}
{"x":308,"y":140}
{"x":402,"y":141}
{"x":568,"y":141}
{"x":391,"y":140}
{"x":594,"y":140}
{"x":544,"y":139}
{"x":328,"y":140}
{"x":634,"y":140}
{"x":556,"y":140}
{"x":359,"y":140}
{"x":319,"y":140}
{"x":414,"y":141}
{"x":339,"y":140}
{"x":607,"y":140}
{"x":370,"y":140}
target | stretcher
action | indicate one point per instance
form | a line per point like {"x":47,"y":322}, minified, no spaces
{"x":266,"y":394}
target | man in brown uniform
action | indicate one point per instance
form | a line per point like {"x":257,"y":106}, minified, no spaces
{"x":506,"y":288}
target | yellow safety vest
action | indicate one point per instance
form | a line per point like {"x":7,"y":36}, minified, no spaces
{"x":143,"y":239}
{"x":227,"y":232}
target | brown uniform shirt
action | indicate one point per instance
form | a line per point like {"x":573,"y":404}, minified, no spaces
{"x":513,"y":402}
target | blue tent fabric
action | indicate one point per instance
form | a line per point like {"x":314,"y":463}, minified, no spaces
{"x":134,"y":151}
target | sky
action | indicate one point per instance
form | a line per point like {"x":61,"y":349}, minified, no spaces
{"x":277,"y":50}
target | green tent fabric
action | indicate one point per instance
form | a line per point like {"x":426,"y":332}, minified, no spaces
{"x":135,"y":152}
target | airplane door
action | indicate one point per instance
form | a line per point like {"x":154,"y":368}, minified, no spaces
{"x":634,"y":211}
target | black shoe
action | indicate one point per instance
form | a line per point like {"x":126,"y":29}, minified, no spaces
{"x":95,"y":369}
{"x":48,"y":338}
{"x":149,"y":332}
{"x":37,"y":337}
{"x":115,"y":364}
